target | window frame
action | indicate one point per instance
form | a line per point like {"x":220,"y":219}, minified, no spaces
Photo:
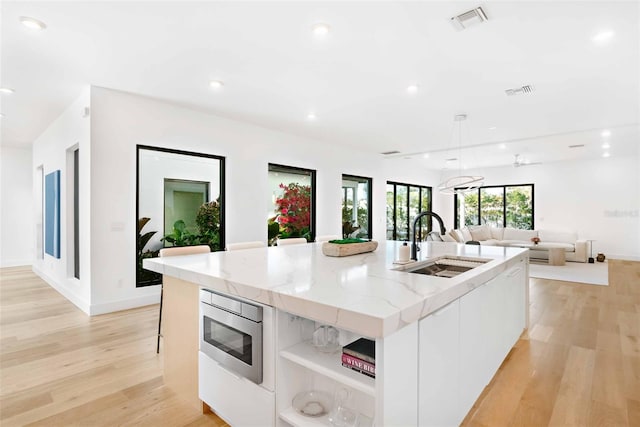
{"x":221,"y":197}
{"x":312,"y":173}
{"x":429,"y":224}
{"x":456,"y":216}
{"x":369,"y":199}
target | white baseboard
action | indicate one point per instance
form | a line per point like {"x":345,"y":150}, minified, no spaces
{"x":77,"y":301}
{"x":15,"y":263}
{"x":124,"y":304}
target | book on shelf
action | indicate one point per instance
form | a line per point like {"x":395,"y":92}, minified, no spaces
{"x":353,"y":368}
{"x":363,"y":349}
{"x":359,"y":365}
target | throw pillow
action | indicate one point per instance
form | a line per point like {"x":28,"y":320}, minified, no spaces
{"x":466,"y":235}
{"x":457,"y":235}
{"x":480,"y":232}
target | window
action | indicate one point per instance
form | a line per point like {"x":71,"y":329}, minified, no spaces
{"x":356,"y":207}
{"x":291,"y":212}
{"x":180,"y":202}
{"x":404,"y":203}
{"x":498,"y":206}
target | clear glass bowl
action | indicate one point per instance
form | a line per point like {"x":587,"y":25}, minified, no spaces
{"x":312,"y":403}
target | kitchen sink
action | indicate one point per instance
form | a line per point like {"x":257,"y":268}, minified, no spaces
{"x":447,"y":266}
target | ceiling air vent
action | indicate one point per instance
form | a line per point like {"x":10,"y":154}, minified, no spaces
{"x":519,"y":90}
{"x":469,"y":18}
{"x":386,"y":153}
{"x":576,"y":146}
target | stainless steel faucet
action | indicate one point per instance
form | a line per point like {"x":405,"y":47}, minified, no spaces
{"x":414,"y":247}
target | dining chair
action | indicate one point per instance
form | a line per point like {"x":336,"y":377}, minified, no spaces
{"x":292,"y":241}
{"x":245,"y":245}
{"x":176,"y":251}
{"x":328,"y":237}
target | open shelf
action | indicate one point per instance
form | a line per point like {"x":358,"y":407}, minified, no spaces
{"x":329,"y":365}
{"x":295,"y":419}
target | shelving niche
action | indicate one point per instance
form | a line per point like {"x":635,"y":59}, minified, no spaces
{"x":301,"y":367}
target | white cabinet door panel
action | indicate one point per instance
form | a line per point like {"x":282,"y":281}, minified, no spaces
{"x":237,"y":400}
{"x":439,"y":368}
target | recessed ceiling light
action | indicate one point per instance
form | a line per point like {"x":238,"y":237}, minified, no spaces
{"x":603,"y":37}
{"x":412,"y":88}
{"x":32,"y":23}
{"x":606,"y":133}
{"x":493,"y":128}
{"x":503,"y":146}
{"x":606,"y":145}
{"x":606,"y":154}
{"x":426,"y":155}
{"x":321,"y":29}
{"x":1,"y":115}
{"x":311,"y":116}
{"x":216,"y":84}
{"x":6,"y":90}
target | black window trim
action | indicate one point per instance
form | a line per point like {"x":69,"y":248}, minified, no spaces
{"x":456,"y":217}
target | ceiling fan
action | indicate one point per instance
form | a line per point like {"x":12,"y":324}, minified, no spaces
{"x":519,"y":161}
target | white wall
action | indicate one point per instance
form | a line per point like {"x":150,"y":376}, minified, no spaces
{"x":51,"y":150}
{"x":16,"y":207}
{"x":600,"y":199}
{"x":120,"y":121}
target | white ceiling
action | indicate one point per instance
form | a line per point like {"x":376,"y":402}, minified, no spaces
{"x":275,"y":71}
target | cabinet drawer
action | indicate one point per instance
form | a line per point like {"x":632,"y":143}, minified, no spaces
{"x":230,"y":395}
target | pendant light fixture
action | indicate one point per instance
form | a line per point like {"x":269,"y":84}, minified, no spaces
{"x":460,"y":183}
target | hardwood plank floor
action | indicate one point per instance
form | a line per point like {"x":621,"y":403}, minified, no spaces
{"x":578,"y":366}
{"x":59,"y":367}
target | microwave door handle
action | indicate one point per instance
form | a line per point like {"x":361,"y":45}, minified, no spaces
{"x":226,"y":303}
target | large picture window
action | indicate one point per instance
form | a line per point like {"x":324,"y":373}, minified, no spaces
{"x":404,"y":203}
{"x":292,"y":209}
{"x":498,"y":206}
{"x":356,"y":207}
{"x":180,"y":202}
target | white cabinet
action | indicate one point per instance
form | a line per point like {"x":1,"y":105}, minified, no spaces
{"x":439,"y":371}
{"x":230,"y":396}
{"x":492,"y":318}
{"x":475,"y":343}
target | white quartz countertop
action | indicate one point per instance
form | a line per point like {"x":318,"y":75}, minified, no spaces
{"x":361,"y":293}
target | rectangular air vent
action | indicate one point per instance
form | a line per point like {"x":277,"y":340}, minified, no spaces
{"x":519,"y":90}
{"x":576,"y":146}
{"x":468,"y":18}
{"x":386,"y":153}
{"x":453,"y":159}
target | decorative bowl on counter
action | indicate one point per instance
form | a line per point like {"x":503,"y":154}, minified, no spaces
{"x":312,"y":403}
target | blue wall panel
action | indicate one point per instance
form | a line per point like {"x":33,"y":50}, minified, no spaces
{"x":52,"y":214}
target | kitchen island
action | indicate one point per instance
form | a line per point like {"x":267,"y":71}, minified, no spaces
{"x":438,"y":340}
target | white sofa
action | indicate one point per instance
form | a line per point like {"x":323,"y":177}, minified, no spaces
{"x":575,"y":249}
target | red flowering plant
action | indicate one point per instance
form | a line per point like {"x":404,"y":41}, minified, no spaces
{"x":293,"y":211}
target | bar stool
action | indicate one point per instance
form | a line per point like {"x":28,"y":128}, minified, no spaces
{"x":292,"y":241}
{"x":245,"y":245}
{"x":177,"y":251}
{"x":328,"y":237}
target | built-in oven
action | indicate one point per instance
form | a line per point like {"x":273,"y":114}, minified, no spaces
{"x":231,"y":333}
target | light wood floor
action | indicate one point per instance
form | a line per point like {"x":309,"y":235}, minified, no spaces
{"x":59,"y":367}
{"x":579,"y":366}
